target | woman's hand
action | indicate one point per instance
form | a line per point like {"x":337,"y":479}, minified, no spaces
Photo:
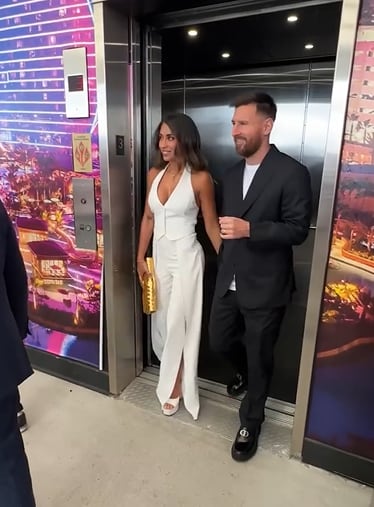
{"x":142,"y":269}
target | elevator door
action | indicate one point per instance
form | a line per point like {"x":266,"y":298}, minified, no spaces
{"x":302,"y":93}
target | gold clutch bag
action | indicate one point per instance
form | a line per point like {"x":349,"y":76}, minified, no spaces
{"x":149,"y":288}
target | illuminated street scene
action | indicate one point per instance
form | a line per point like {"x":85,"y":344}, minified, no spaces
{"x":36,"y":171}
{"x":341,"y":411}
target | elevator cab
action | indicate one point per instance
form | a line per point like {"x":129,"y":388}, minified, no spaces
{"x":197,"y":63}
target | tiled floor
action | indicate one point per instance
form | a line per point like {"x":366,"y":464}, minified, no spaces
{"x":88,"y":449}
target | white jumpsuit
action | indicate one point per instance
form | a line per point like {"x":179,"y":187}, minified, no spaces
{"x":179,"y":266}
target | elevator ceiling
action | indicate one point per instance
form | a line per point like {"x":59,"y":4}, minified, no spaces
{"x":251,"y":41}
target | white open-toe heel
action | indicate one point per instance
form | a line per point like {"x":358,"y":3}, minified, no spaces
{"x":173,"y":402}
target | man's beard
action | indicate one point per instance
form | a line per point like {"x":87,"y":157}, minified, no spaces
{"x":247,"y":148}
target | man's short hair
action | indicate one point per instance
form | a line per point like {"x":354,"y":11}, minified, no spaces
{"x":264,"y":103}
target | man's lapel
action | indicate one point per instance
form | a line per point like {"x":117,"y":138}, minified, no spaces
{"x":234,"y":195}
{"x":260,"y":180}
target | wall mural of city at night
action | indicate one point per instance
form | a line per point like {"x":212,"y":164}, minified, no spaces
{"x":36,"y":171}
{"x":341,"y":412}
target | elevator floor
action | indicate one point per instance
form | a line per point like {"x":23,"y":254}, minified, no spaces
{"x":86,"y":449}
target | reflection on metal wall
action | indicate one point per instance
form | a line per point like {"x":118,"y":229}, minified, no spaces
{"x":302,"y":93}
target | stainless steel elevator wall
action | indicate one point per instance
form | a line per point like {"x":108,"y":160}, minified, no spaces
{"x":302,"y":93}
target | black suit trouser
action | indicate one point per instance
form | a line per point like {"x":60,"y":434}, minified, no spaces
{"x":15,"y":480}
{"x":247,"y":338}
{"x":19,"y":404}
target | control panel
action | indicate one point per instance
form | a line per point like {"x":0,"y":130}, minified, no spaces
{"x":85,"y":213}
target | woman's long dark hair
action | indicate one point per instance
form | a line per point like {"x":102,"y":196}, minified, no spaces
{"x":188,"y":138}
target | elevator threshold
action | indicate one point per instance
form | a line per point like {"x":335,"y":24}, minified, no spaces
{"x":218,"y":413}
{"x":277,"y":410}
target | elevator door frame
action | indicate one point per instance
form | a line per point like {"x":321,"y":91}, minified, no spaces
{"x":282,"y":411}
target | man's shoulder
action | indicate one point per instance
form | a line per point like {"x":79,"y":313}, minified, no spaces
{"x":228,"y":171}
{"x":288,"y":162}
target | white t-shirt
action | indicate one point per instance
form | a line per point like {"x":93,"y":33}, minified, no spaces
{"x":249,"y":174}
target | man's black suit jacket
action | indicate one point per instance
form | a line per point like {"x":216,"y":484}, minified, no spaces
{"x":278,"y":206}
{"x":14,"y":364}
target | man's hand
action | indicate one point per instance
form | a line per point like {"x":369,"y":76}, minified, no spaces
{"x":234,"y":228}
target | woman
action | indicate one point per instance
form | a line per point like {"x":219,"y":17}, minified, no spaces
{"x":178,"y":186}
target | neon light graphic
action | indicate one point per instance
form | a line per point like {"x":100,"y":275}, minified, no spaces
{"x":36,"y":171}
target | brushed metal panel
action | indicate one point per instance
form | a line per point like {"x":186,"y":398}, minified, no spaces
{"x":152,"y":117}
{"x":84,"y":213}
{"x":153,"y":53}
{"x":289,"y":346}
{"x":316,"y":125}
{"x":207,"y":100}
{"x":173,"y":96}
{"x":113,"y":95}
{"x":136,"y":175}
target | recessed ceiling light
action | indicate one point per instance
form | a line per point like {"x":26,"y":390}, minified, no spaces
{"x":193,"y":32}
{"x":225,"y":54}
{"x":309,"y":46}
{"x":292,"y":19}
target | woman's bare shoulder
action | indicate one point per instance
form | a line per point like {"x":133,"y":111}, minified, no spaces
{"x":152,"y":173}
{"x":202,"y":178}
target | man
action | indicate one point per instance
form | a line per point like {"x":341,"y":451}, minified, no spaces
{"x":15,"y":481}
{"x":266,"y":209}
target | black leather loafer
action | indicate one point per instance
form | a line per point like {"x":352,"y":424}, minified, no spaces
{"x":245,"y":444}
{"x":237,"y":386}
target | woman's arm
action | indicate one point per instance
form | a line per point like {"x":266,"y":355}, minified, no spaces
{"x":146,"y":229}
{"x":206,"y":198}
